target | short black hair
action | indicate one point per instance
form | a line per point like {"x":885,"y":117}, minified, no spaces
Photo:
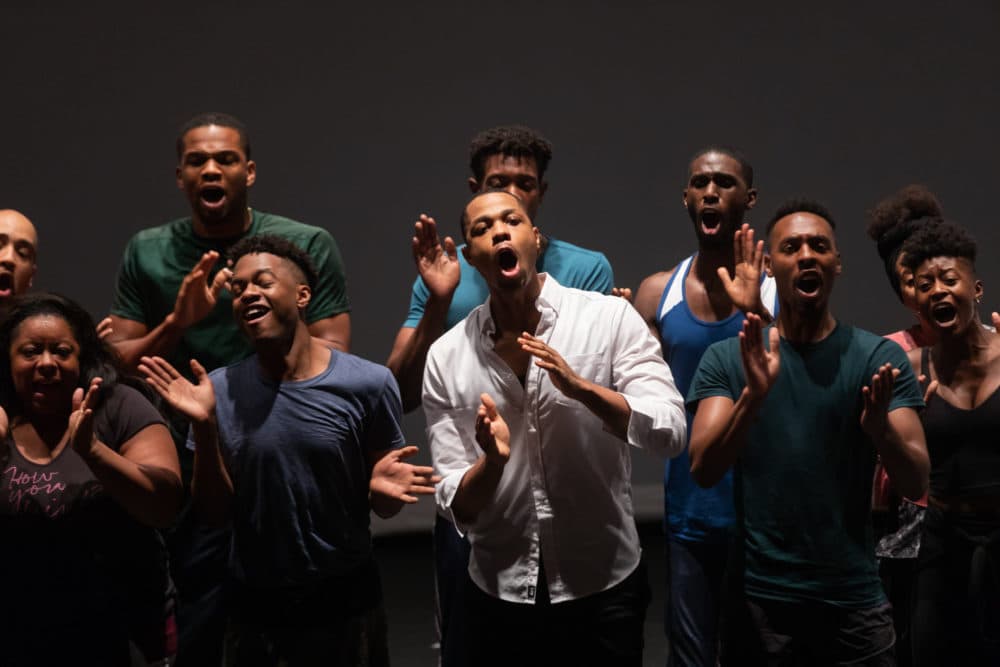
{"x":800,"y":205}
{"x":214,"y":118}
{"x":945,"y":239}
{"x":897,"y":217}
{"x":513,"y":140}
{"x":97,"y":359}
{"x":737,"y":155}
{"x":279,"y":247}
{"x":463,"y":219}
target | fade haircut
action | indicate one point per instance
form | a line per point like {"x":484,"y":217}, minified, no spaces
{"x":897,"y":217}
{"x":945,"y":239}
{"x":279,"y":247}
{"x":463,"y":220}
{"x":745,"y":167}
{"x":514,"y":140}
{"x":214,"y":118}
{"x":800,"y":205}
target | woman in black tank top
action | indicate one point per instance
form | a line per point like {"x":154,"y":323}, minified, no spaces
{"x":957,"y":611}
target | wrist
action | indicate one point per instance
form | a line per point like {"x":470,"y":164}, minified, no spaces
{"x":172,"y":323}
{"x":438,"y":304}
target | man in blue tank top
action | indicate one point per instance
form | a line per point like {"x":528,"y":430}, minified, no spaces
{"x":511,"y":158}
{"x":700,"y":301}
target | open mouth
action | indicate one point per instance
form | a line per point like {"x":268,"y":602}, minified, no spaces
{"x":808,"y":284}
{"x":212,"y":195}
{"x":944,"y":313}
{"x":254,"y":313}
{"x":711,"y":220}
{"x":507,"y":260}
{"x":6,"y":284}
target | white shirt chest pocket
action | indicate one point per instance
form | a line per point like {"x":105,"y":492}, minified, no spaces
{"x":593,"y":367}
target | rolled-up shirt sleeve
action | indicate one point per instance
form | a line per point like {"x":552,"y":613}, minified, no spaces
{"x":639,"y":373}
{"x":451,"y":436}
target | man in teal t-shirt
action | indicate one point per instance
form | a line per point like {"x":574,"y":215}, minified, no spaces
{"x":166,"y":304}
{"x":801,"y":409}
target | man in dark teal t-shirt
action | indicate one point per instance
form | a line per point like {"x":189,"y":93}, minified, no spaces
{"x":801,"y":409}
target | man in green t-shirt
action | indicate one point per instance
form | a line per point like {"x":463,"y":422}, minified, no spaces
{"x":166,"y":296}
{"x":801,"y":410}
{"x":167,"y":304}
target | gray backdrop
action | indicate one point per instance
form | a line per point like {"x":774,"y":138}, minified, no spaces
{"x":360,"y":116}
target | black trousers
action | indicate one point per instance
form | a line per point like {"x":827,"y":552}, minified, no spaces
{"x":603,"y":629}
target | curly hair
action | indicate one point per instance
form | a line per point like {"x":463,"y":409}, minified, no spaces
{"x":214,"y":118}
{"x":894,"y":219}
{"x":800,"y":205}
{"x":945,"y":239}
{"x":279,"y":247}
{"x":737,"y":155}
{"x":97,"y":359}
{"x":513,"y":140}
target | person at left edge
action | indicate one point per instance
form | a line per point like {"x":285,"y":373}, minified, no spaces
{"x":296,"y":445}
{"x":89,"y":472}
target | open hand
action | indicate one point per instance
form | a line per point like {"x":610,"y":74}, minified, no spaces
{"x":563,"y":377}
{"x":197,"y":297}
{"x":80,"y":431}
{"x":877,"y":396}
{"x":743,"y":288}
{"x":396,"y":479}
{"x":437,"y":264}
{"x":492,"y":433}
{"x":195,"y":401}
{"x":760,"y":366}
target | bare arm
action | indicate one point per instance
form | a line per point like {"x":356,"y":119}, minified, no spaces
{"x":437,"y":264}
{"x":720,"y":426}
{"x":195,"y":300}
{"x":394,"y":482}
{"x":211,"y":486}
{"x":334,"y":331}
{"x":607,"y":404}
{"x":479,"y":484}
{"x":898,"y":435}
{"x":143,"y":476}
{"x":647,"y":298}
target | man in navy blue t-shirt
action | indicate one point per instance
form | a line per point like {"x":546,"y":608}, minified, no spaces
{"x":296,"y":444}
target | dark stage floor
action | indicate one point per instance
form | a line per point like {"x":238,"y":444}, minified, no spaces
{"x":407,"y":576}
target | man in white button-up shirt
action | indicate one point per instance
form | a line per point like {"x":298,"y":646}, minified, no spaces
{"x":532,"y":402}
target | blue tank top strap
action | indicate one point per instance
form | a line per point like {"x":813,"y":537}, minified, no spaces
{"x":673,"y":292}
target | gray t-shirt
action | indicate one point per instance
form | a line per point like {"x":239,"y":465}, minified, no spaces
{"x":297,"y":453}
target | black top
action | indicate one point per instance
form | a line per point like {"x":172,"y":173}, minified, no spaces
{"x":76,"y":568}
{"x":963,"y":445}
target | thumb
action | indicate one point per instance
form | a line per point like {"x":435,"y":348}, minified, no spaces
{"x":723,"y":273}
{"x":200,"y":374}
{"x":77,"y":398}
{"x":406,"y":452}
{"x":491,"y":407}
